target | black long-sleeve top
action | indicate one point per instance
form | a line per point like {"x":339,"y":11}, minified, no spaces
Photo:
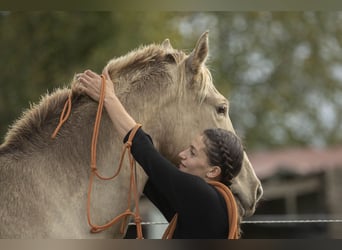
{"x":202,"y":211}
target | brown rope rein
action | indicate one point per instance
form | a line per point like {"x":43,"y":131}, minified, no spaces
{"x":94,"y":171}
{"x":231,"y":210}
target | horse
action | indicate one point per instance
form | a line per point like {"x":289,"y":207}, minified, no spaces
{"x":43,"y":182}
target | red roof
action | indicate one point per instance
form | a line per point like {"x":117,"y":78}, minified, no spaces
{"x":297,"y":160}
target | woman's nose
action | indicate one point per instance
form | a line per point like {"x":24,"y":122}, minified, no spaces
{"x":181,"y":155}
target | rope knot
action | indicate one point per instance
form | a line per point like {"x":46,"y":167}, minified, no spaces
{"x":93,"y":168}
{"x":137,"y":219}
{"x":128,"y":144}
{"x":94,"y":230}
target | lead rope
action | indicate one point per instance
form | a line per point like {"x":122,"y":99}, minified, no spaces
{"x":94,"y":172}
{"x":231,"y":211}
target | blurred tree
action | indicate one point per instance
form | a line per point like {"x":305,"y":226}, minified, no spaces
{"x":282,"y":72}
{"x":282,"y":67}
{"x":42,"y":50}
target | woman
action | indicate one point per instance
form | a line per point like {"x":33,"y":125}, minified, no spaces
{"x":214,"y":155}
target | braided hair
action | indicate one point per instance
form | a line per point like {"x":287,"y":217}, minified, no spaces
{"x":224,"y":149}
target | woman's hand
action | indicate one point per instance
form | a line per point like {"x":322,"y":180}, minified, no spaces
{"x":90,"y":83}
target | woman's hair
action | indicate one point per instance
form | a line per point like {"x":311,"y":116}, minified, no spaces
{"x":224,"y":149}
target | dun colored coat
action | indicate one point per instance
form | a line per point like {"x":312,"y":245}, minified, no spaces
{"x":43,"y":182}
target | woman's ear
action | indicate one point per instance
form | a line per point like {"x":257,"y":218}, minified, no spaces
{"x":214,"y":172}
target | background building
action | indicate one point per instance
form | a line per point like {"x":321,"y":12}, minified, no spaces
{"x":299,"y":184}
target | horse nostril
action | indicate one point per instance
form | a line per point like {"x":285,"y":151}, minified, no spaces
{"x":259,"y":192}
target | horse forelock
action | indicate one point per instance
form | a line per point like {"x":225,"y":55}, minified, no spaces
{"x":140,"y":63}
{"x":205,"y":85}
{"x":145,"y":69}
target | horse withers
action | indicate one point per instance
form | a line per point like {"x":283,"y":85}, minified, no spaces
{"x":43,"y":182}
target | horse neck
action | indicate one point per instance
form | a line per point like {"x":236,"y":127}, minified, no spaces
{"x":153,"y":112}
{"x":73,"y":142}
{"x":75,"y":137}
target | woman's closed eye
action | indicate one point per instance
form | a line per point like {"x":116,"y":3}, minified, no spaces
{"x":192,"y":150}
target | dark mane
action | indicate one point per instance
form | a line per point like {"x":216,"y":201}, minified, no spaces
{"x":145,"y":66}
{"x":30,"y":125}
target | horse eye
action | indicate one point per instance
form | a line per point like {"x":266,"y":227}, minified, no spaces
{"x":221,"y":110}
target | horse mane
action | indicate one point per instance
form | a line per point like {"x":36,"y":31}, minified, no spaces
{"x":44,"y":114}
{"x":145,"y":66}
{"x":143,"y":69}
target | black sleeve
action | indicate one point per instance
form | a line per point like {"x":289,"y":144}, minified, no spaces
{"x":202,"y":211}
{"x":179,"y":188}
{"x":159,"y":200}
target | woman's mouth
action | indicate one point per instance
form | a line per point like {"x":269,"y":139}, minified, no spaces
{"x":181,"y":166}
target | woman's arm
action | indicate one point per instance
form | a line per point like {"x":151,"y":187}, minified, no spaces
{"x":182,"y":191}
{"x":91,"y":85}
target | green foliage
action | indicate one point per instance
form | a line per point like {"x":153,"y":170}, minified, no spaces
{"x":282,"y":72}
{"x":43,"y":50}
{"x":285,"y":68}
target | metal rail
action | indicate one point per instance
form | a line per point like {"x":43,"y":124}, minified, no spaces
{"x":290,"y":221}
{"x":262,"y":222}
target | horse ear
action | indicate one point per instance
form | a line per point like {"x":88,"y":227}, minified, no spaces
{"x":200,"y":53}
{"x":166,"y":44}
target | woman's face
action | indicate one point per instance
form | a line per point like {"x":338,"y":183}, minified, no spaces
{"x":194,"y":160}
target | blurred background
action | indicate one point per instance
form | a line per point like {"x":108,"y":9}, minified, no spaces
{"x":281,"y":71}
